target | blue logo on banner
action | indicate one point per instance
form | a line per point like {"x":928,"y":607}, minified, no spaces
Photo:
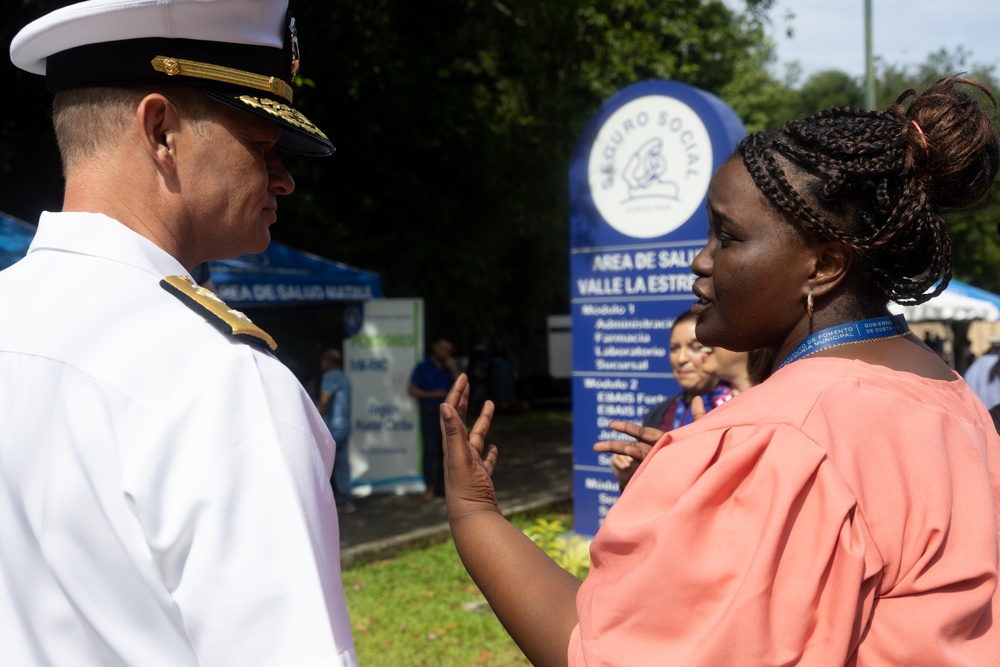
{"x":353,"y":319}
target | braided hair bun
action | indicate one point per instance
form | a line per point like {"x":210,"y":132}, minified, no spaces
{"x":875,"y":181}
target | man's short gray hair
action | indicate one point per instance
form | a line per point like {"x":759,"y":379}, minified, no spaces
{"x":89,"y":121}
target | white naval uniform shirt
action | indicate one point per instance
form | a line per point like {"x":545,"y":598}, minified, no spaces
{"x":164,"y":488}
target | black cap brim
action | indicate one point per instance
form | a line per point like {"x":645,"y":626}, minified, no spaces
{"x":298,"y":134}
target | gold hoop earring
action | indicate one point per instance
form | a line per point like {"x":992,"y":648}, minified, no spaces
{"x":809,"y":304}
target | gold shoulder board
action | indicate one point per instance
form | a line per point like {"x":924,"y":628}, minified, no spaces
{"x":214,"y":310}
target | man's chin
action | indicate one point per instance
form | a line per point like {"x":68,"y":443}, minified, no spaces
{"x":260,"y":243}
{"x":250,"y":248}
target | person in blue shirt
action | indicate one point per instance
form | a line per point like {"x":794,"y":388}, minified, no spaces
{"x":335,"y":407}
{"x":429,"y":384}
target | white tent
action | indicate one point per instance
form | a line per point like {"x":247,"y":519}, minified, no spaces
{"x":957,"y":303}
{"x":963,"y":319}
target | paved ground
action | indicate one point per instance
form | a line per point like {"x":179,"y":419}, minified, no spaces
{"x":535,"y":471}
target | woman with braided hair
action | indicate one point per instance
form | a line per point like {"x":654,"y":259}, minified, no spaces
{"x":842,"y":512}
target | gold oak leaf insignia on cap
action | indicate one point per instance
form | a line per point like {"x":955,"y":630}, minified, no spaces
{"x":215,"y":311}
{"x":282,"y":111}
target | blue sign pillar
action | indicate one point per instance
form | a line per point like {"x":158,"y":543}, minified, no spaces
{"x":637,"y":182}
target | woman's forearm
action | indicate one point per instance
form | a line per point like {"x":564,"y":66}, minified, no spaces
{"x":533,"y":597}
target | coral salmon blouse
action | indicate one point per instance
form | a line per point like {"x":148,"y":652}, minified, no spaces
{"x":838,"y":513}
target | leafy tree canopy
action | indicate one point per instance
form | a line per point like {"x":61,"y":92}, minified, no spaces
{"x":455,"y":121}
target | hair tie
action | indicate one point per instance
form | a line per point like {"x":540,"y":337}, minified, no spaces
{"x":923,"y":139}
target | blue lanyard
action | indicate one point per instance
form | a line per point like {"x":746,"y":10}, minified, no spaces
{"x":852,"y":332}
{"x":682,"y":410}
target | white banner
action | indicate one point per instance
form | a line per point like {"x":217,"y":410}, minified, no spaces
{"x":384,"y":340}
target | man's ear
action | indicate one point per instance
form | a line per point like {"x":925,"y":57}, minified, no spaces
{"x":831,"y":264}
{"x":158,"y":122}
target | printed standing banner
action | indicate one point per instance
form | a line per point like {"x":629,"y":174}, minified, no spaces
{"x":638,"y":181}
{"x":383,"y":341}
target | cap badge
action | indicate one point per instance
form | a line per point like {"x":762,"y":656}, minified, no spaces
{"x":282,"y":111}
{"x":293,"y":39}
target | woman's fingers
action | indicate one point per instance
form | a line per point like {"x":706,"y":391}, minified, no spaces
{"x":481,"y":428}
{"x":633,"y":450}
{"x":458,"y":396}
{"x":646,"y":434}
{"x":490,"y":460}
{"x":623,"y":462}
{"x":698,"y":409}
{"x":456,"y":438}
{"x":467,"y":473}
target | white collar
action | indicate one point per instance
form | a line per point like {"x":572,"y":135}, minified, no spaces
{"x":100,"y":236}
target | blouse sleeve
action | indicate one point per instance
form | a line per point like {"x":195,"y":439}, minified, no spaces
{"x":735,"y":546}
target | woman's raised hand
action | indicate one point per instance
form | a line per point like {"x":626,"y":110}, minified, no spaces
{"x":468,"y":460}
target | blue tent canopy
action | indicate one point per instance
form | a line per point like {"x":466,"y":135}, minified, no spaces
{"x":974,"y":292}
{"x":15,"y":237}
{"x":959,"y":302}
{"x":279,"y":276}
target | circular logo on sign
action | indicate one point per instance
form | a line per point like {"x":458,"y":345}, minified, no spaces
{"x":353,"y":319}
{"x":650,"y":166}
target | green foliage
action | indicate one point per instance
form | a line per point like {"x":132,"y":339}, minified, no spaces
{"x":976,"y":242}
{"x":422,"y":608}
{"x":825,"y":90}
{"x":30,"y":176}
{"x":975,"y":238}
{"x":455,"y":122}
{"x":758,"y":98}
{"x":570,"y":551}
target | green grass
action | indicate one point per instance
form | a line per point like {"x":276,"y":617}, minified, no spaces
{"x":421,"y":608}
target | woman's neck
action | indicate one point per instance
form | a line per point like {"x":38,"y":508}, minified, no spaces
{"x":739,"y":383}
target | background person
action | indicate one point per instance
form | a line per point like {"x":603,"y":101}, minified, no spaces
{"x":429,"y":384}
{"x":334,"y":405}
{"x":983,"y":375}
{"x":730,"y":372}
{"x":688,"y":361}
{"x":164,"y":478}
{"x":478,"y":370}
{"x":736,"y":371}
{"x":845,"y":510}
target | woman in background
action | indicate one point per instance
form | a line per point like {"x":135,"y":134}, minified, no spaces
{"x":696,"y":368}
{"x":736,"y":372}
{"x":688,"y":363}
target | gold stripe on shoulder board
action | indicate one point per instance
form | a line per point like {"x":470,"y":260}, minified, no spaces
{"x":212,"y":308}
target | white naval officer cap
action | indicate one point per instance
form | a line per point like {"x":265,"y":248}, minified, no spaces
{"x":243,"y":53}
